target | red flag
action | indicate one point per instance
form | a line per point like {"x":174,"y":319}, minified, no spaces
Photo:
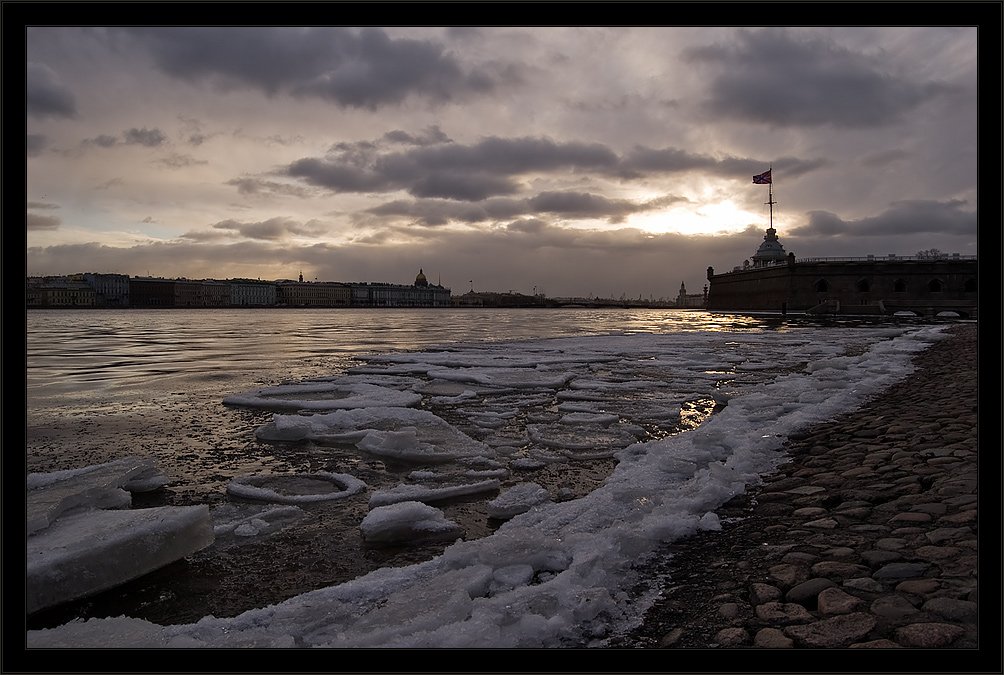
{"x":762,"y":178}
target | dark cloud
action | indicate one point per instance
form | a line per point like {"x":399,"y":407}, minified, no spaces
{"x":362,"y":68}
{"x":257,"y":186}
{"x":271,"y":229}
{"x":39,"y":222}
{"x":104,"y":141}
{"x":452,"y":171}
{"x":151,"y":138}
{"x":42,"y":205}
{"x":35,"y":144}
{"x":45,"y":95}
{"x":902,"y":218}
{"x":435,"y":212}
{"x":178,"y":161}
{"x":430,"y":136}
{"x":770,"y":76}
{"x":468,"y":187}
{"x":148,"y":219}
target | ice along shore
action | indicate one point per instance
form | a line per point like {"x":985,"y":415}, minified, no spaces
{"x":866,"y":538}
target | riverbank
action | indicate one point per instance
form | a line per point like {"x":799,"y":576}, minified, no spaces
{"x":866,"y":538}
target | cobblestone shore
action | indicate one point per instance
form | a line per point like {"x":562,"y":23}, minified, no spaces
{"x":867,"y":538}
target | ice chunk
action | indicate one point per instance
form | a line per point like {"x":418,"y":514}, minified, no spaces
{"x":244,"y":520}
{"x":299,"y":488}
{"x":324,"y":396}
{"x":91,"y":551}
{"x":422,"y":493}
{"x":518,"y":499}
{"x":95,"y":487}
{"x":408,"y":521}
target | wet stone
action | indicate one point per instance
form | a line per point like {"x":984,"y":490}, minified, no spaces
{"x":918,"y":586}
{"x":839,"y":552}
{"x":799,"y":557}
{"x":838,"y":631}
{"x":805,"y":593}
{"x":772,"y":509}
{"x":732,"y":637}
{"x":943,"y":534}
{"x":890,"y":543}
{"x":761,"y":593}
{"x":808,"y":512}
{"x":772,"y":638}
{"x":928,"y":635}
{"x":837,"y":569}
{"x":789,"y":575}
{"x":782,"y":613}
{"x":892,"y":607}
{"x":937,"y":552}
{"x":878,"y":558}
{"x":953,"y":610}
{"x":835,"y":601}
{"x":729,"y":610}
{"x":866,"y":584}
{"x":903,"y":570}
{"x":824,"y":524}
{"x":876,"y":644}
{"x":671,"y":638}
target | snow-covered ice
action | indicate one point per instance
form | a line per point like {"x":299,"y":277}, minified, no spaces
{"x":322,"y":486}
{"x":422,"y":493}
{"x":407,"y":521}
{"x":83,"y":538}
{"x":518,"y":499}
{"x":558,"y":573}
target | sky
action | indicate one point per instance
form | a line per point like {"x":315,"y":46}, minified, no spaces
{"x":573,"y":161}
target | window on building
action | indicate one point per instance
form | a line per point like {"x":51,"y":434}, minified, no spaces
{"x":935,"y":285}
{"x":822,"y":286}
{"x":863,"y":286}
{"x":970,"y":286}
{"x":899,"y":286}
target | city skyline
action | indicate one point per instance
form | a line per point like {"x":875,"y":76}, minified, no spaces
{"x":581,"y":160}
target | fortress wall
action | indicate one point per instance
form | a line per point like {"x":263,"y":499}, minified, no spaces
{"x":796,"y":287}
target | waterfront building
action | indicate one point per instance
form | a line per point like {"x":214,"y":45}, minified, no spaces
{"x":213,"y":293}
{"x":151,"y":292}
{"x":70,"y":291}
{"x":187,"y":293}
{"x":251,"y":293}
{"x":312,"y":294}
{"x":691,"y":300}
{"x":419,"y":294}
{"x":110,"y":290}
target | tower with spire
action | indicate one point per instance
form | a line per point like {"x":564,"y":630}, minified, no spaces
{"x":770,"y":251}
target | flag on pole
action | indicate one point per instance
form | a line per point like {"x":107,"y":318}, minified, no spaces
{"x":762,"y":178}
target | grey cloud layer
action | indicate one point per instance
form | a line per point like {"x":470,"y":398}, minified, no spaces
{"x":46,"y":95}
{"x":772,"y":77}
{"x":363,"y":68}
{"x":273,"y":229}
{"x":567,"y":204}
{"x":902,"y":218}
{"x":490,"y":167}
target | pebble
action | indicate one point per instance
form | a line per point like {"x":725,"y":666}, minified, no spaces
{"x":866,"y":538}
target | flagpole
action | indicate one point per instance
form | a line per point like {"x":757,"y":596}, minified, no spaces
{"x":770,"y":195}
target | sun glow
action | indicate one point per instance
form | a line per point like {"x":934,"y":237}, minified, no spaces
{"x":718,"y":218}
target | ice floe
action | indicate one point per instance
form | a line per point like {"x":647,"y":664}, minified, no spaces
{"x":407,"y":521}
{"x":300,"y":488}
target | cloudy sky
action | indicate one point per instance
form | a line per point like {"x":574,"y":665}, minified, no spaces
{"x":571,"y":160}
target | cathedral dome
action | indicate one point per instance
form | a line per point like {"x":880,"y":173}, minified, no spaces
{"x":420,"y":280}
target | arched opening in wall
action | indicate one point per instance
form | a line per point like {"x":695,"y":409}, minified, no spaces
{"x":970,"y":286}
{"x":935,"y":285}
{"x":822,"y":286}
{"x":863,"y":286}
{"x":899,"y":286}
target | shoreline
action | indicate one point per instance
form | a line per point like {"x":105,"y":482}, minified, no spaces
{"x":865,"y":538}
